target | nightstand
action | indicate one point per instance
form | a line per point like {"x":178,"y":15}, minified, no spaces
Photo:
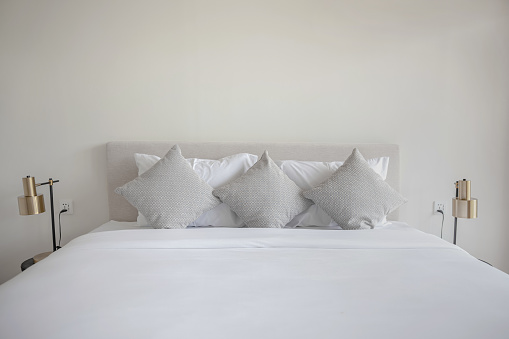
{"x":29,"y":262}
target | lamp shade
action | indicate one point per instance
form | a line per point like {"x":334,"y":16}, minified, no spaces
{"x":464,"y":206}
{"x":30,"y":203}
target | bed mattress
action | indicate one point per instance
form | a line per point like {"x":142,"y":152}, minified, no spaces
{"x":395,"y":282}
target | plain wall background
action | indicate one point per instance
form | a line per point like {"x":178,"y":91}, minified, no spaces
{"x":429,"y":75}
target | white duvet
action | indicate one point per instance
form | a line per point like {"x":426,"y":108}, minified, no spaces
{"x":257,"y":283}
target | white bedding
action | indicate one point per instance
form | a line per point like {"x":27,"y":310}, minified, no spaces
{"x":257,"y":283}
{"x":113,"y":225}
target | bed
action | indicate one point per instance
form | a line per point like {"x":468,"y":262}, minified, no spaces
{"x":128,"y":281}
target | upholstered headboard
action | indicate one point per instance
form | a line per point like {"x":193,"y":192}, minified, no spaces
{"x":122,"y":167}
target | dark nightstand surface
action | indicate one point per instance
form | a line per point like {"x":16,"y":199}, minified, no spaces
{"x":27,"y":263}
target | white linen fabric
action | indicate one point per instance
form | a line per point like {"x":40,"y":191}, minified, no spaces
{"x":215,"y":173}
{"x":113,"y":225}
{"x":145,"y":161}
{"x":257,"y":283}
{"x":169,"y":201}
{"x":355,"y":196}
{"x":308,"y":174}
{"x":263,"y":196}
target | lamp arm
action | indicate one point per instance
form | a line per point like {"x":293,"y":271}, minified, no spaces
{"x":50,"y":182}
{"x":455,"y":218}
{"x":455,"y":229}
{"x":52,"y":218}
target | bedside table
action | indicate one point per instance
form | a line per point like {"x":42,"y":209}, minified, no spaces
{"x":29,"y":262}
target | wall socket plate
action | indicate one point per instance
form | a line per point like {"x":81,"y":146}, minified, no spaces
{"x":66,"y":204}
{"x":438,"y":205}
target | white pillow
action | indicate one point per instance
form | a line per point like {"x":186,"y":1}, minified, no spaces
{"x":216,"y":173}
{"x":308,"y":174}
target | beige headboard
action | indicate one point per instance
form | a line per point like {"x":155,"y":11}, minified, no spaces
{"x":122,"y":168}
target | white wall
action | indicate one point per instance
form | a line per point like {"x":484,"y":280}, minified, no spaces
{"x":432,"y":76}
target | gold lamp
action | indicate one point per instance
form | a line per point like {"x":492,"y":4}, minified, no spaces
{"x":31,"y":203}
{"x":463,"y":206}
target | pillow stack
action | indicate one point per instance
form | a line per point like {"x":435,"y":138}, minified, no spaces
{"x":173,"y":192}
{"x":216,"y":173}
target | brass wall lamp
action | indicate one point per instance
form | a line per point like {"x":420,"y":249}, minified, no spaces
{"x":31,"y":203}
{"x":463,"y":206}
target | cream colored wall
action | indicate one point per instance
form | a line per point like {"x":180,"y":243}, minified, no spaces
{"x":432,"y":76}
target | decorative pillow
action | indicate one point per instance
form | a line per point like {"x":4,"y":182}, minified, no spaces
{"x":355,"y":196}
{"x":308,"y":174}
{"x":169,"y":201}
{"x":264,"y":196}
{"x":215,"y":173}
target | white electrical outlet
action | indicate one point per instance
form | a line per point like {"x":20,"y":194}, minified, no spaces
{"x":67,"y":205}
{"x":438,"y":205}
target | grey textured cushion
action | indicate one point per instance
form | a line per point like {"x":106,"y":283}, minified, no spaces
{"x":264,"y":196}
{"x":355,"y":196}
{"x":170,"y":194}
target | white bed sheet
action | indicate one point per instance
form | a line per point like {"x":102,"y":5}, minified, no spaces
{"x":257,"y":283}
{"x":113,"y":225}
